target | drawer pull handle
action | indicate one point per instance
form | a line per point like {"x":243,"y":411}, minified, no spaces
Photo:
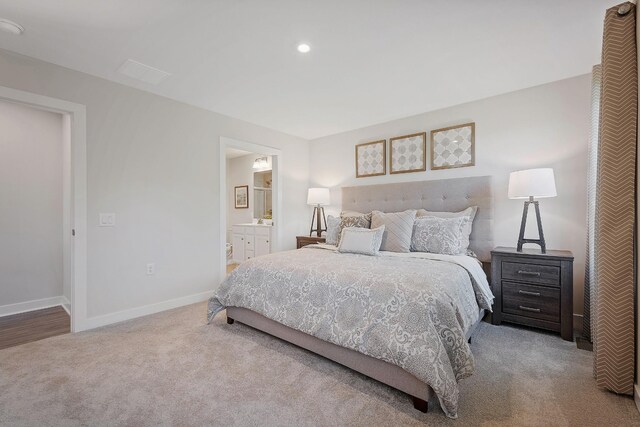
{"x":529,"y":273}
{"x":535,"y":310}
{"x":533,"y":294}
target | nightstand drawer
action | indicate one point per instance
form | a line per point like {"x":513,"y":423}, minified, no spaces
{"x":533,"y":273}
{"x":539,"y":302}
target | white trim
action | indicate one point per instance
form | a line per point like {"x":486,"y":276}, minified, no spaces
{"x":132,"y":313}
{"x":67,"y":238}
{"x":278,"y":212}
{"x":636,"y":396}
{"x":77,"y":192}
{"x":35,"y":304}
{"x":66,"y":304}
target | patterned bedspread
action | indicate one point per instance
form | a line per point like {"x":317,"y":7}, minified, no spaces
{"x":409,"y":311}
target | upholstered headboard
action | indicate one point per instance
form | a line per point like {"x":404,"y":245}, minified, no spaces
{"x":446,"y":195}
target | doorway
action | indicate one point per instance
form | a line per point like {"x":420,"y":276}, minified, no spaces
{"x":74,"y":205}
{"x":260,"y":217}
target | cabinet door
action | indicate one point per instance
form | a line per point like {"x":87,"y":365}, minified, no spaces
{"x":249,"y":244}
{"x":238,"y":247}
{"x":263,"y":245}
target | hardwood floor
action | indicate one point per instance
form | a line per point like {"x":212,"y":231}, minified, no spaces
{"x":231,"y":267}
{"x":33,"y":326}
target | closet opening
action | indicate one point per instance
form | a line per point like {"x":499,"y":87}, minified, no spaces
{"x":35,"y":296}
{"x":42,"y":217}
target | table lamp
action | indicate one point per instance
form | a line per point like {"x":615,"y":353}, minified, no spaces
{"x":318,"y":197}
{"x":530,"y":184}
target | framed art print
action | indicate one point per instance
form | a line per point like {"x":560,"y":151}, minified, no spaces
{"x":371,"y":159}
{"x":242,"y":196}
{"x":453,"y":147}
{"x":408,"y":153}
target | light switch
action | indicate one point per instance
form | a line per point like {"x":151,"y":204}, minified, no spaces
{"x":107,"y":220}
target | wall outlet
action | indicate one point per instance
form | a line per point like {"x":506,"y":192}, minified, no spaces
{"x":151,"y":269}
{"x":107,"y":220}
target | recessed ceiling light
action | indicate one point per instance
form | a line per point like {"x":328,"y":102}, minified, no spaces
{"x":304,"y":48}
{"x":11,"y":27}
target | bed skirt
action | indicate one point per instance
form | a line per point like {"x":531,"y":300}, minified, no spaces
{"x":379,"y":370}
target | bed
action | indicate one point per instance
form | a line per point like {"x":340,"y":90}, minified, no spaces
{"x":402,"y":319}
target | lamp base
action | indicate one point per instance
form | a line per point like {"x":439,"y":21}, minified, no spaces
{"x":540,"y":240}
{"x":317,"y":211}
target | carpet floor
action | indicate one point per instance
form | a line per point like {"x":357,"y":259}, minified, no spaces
{"x":172,"y":368}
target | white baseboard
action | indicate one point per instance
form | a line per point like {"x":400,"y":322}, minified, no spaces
{"x":636,"y":396}
{"x":120,"y":316}
{"x":66,"y":304}
{"x":36,"y":304}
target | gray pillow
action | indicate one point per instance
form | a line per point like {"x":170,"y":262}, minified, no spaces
{"x":353,"y":219}
{"x":469,"y":212}
{"x":358,"y":240}
{"x":447,"y":236}
{"x":333,"y":230}
{"x":398,"y":228}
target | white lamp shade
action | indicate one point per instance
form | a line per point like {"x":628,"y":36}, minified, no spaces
{"x":538,"y":183}
{"x":318,"y":196}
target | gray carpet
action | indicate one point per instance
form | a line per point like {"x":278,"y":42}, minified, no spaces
{"x":173,"y":369}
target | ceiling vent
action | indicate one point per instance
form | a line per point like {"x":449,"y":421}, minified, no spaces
{"x":145,"y":73}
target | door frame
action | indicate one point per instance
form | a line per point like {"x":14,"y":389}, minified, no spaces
{"x":278,"y":212}
{"x":75,"y":190}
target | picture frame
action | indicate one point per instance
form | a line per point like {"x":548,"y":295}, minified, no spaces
{"x":453,"y":147}
{"x":408,"y":153}
{"x":241,"y":194}
{"x":371,"y":159}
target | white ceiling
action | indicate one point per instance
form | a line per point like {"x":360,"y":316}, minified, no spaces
{"x":370,"y":60}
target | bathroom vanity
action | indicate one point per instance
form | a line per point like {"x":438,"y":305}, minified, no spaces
{"x":251,"y":240}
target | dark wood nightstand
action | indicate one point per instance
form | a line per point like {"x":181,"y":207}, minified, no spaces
{"x":309,"y":240}
{"x":533,"y":289}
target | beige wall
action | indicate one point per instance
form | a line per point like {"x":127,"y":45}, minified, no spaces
{"x":31,"y":171}
{"x":544,"y":126}
{"x":153,"y":162}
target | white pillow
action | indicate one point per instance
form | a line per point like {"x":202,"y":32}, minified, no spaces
{"x":470,"y":212}
{"x":447,"y":236}
{"x":333,"y":230}
{"x":356,"y":240}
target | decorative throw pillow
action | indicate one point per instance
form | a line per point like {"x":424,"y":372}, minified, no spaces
{"x":447,"y":236}
{"x":398,"y":228}
{"x":358,"y":240}
{"x":333,"y":230}
{"x":353,"y":219}
{"x":469,"y":212}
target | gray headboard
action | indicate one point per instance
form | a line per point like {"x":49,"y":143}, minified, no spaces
{"x":445,"y":195}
